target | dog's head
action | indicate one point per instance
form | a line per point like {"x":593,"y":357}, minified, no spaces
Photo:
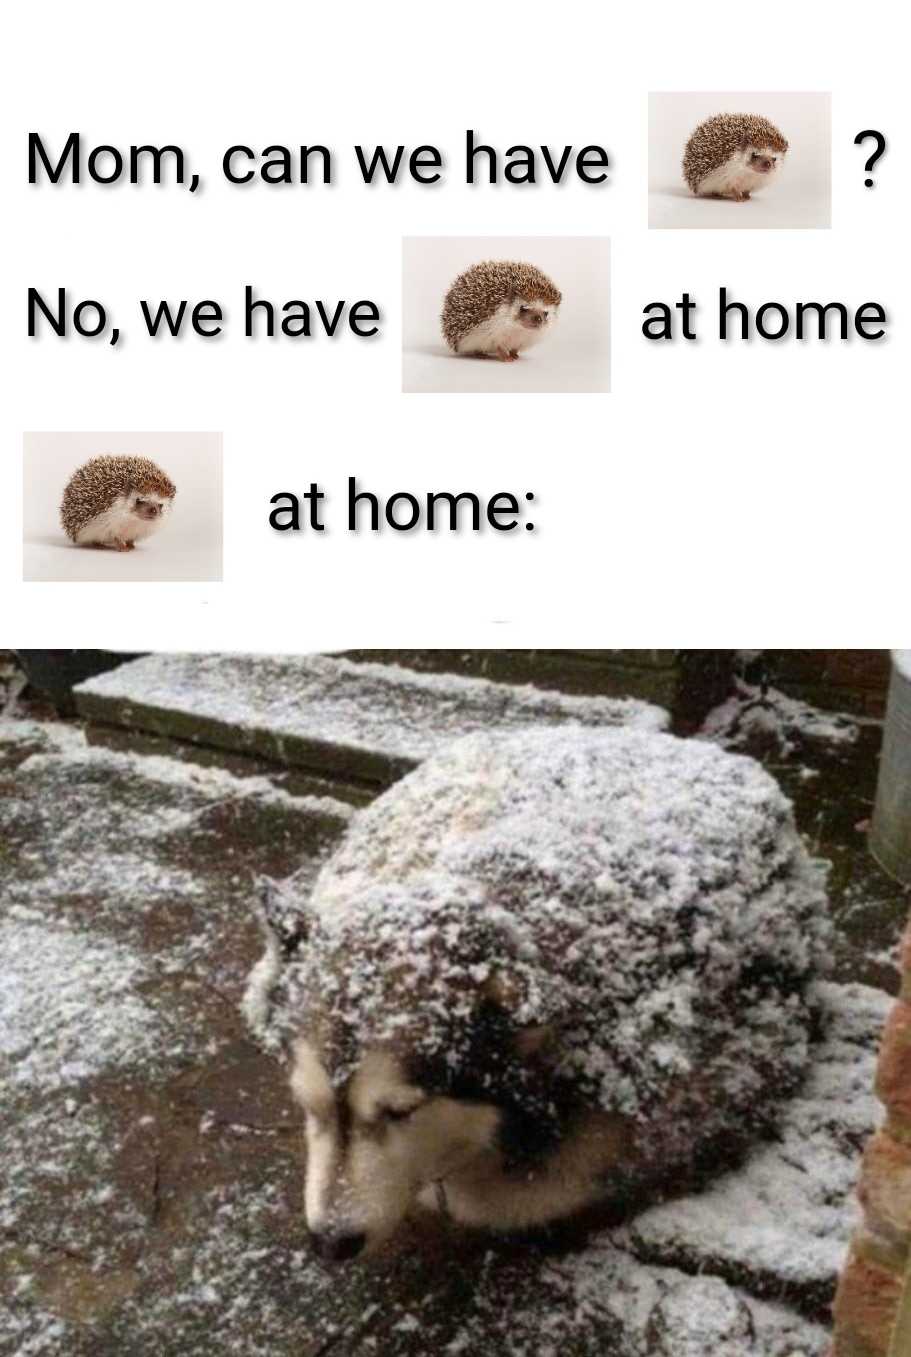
{"x":415,"y":1057}
{"x":374,"y":1144}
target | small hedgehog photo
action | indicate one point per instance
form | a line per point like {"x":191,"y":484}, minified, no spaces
{"x":498,"y":309}
{"x":115,"y":502}
{"x":122,"y":509}
{"x":733,"y":154}
{"x":536,"y":308}
{"x":709,"y":151}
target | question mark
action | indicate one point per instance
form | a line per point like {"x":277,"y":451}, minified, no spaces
{"x":871,"y":160}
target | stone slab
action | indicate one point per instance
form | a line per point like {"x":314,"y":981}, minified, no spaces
{"x":367,"y":723}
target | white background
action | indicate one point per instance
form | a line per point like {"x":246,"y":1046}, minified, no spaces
{"x":799,"y":196}
{"x":739,"y":494}
{"x":575,"y":356}
{"x":187,"y":546}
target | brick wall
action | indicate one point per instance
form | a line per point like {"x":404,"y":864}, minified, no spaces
{"x":841,"y":680}
{"x":870,"y":1290}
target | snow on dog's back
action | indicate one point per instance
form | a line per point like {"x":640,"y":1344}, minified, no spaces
{"x":604,"y":937}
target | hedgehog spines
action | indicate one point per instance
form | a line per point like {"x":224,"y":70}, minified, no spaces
{"x":100,"y":481}
{"x":717,"y":138}
{"x":477,"y":292}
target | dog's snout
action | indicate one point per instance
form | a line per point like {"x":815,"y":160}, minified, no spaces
{"x":336,"y":1248}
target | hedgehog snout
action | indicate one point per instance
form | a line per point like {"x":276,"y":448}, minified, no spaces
{"x":532,"y":317}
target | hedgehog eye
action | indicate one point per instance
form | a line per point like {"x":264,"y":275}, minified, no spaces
{"x":522,"y":310}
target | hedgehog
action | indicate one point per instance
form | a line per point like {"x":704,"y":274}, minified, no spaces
{"x":498,"y":308}
{"x":115,"y":501}
{"x":731,"y":154}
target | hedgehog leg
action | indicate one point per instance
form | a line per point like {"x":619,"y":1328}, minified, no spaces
{"x":121,"y":544}
{"x":506,"y":355}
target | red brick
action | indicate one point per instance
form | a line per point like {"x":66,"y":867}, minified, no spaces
{"x":885,"y":1188}
{"x":893,"y":1075}
{"x":865,"y":1308}
{"x":905,"y":954}
{"x":854,"y":669}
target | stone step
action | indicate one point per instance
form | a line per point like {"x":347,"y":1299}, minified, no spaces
{"x":688,"y":683}
{"x":364,"y":723}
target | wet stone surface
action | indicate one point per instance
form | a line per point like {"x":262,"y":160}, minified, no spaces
{"x":151,"y":1170}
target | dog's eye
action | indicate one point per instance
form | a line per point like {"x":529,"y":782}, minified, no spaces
{"x":397,"y":1113}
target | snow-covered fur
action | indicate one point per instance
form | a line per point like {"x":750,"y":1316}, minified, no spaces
{"x":543,"y":970}
{"x":128,"y":520}
{"x":513,"y":327}
{"x":748,"y":169}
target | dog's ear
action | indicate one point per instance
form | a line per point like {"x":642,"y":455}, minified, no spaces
{"x":282,"y":916}
{"x":508,"y":990}
{"x":504,"y":989}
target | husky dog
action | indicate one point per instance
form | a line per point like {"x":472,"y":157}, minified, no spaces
{"x":546,"y":969}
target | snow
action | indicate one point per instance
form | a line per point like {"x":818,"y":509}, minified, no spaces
{"x":77,"y":1153}
{"x":736,"y":1223}
{"x":102,"y":834}
{"x":330,"y":702}
{"x":767,"y":713}
{"x":67,"y":1009}
{"x":202,"y":787}
{"x":698,"y":1316}
{"x":647,"y":898}
{"x":603,"y":1300}
{"x":34,"y":1334}
{"x":49,"y":735}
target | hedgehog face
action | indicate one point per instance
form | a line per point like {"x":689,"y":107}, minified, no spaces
{"x":533,"y":314}
{"x":149,"y":507}
{"x":762,"y":159}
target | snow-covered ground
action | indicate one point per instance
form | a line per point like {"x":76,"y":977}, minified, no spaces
{"x":149,"y":1161}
